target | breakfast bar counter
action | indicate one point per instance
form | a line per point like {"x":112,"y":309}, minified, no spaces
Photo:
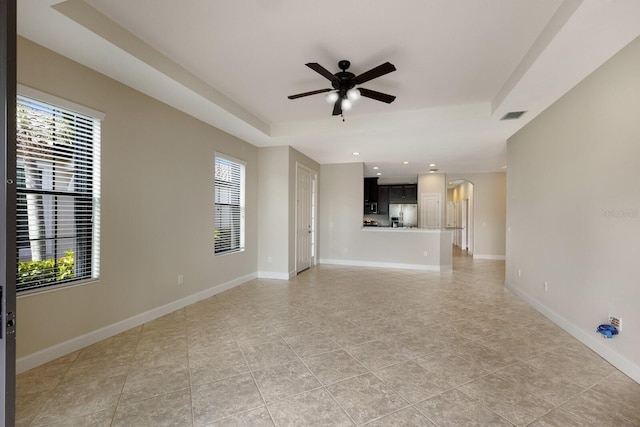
{"x":410,"y":248}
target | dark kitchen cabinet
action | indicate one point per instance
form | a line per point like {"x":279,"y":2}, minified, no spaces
{"x":396,"y":192}
{"x":411,"y":193}
{"x":370,"y":190}
{"x":383,"y":199}
{"x":407,"y":193}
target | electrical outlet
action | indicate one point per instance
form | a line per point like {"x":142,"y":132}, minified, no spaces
{"x":180,"y":279}
{"x":546,"y":286}
{"x":519,"y":273}
{"x":616,"y":321}
{"x":426,"y":253}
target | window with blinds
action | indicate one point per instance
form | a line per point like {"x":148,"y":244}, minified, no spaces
{"x":58,"y":195}
{"x":229,"y":205}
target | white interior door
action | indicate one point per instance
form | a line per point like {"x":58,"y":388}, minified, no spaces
{"x":304,"y":218}
{"x":430,"y":210}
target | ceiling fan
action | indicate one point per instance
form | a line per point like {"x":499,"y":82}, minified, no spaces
{"x":344,"y":83}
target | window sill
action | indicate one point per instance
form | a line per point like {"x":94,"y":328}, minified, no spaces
{"x":229,"y":253}
{"x":54,"y":288}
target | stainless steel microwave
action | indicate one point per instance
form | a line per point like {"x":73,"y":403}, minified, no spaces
{"x":371,"y":207}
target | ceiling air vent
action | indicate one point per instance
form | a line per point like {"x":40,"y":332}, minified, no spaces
{"x":513,"y":115}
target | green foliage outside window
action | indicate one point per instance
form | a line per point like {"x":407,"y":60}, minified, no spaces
{"x":46,"y":271}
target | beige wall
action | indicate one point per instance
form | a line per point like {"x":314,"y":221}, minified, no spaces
{"x":157,"y":206}
{"x":273,"y":218}
{"x":341,"y":195}
{"x":277,"y":209}
{"x":574,"y":209}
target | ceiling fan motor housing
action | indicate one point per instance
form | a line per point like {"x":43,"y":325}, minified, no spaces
{"x":344,"y":82}
{"x":344,"y":78}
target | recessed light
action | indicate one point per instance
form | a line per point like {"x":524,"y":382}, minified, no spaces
{"x":379,"y":173}
{"x":405,"y":163}
{"x":355,"y":153}
{"x":375,"y":168}
{"x":432,"y":165}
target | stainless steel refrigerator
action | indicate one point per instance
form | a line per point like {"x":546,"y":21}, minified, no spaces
{"x":406,"y":214}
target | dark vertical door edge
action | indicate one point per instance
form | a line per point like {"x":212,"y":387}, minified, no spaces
{"x":8,"y":211}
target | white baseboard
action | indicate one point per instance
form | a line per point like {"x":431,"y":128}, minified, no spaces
{"x":355,"y":263}
{"x":273,"y":275}
{"x":51,"y":353}
{"x":591,"y":340}
{"x":496,"y":257}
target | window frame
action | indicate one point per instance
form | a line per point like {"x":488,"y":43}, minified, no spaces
{"x":92,"y":223}
{"x":238,"y":228}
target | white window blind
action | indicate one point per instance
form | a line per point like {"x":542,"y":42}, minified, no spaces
{"x":58,"y":195}
{"x":229,"y":205}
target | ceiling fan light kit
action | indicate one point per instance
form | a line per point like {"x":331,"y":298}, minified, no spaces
{"x":332,"y":97}
{"x":344,"y":92}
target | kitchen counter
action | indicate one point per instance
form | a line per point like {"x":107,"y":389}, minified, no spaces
{"x":406,"y":248}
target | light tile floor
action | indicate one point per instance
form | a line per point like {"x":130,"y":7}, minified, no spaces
{"x":339,"y":346}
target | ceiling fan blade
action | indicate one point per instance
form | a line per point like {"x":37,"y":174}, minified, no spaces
{"x":373,"y":73}
{"x":378,"y":96}
{"x":313,"y":92}
{"x":321,"y":70}
{"x":337,"y":107}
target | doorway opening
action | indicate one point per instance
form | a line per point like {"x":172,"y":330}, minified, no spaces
{"x":460,"y":214}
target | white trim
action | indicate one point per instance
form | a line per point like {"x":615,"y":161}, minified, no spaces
{"x":58,"y":102}
{"x":496,"y":257}
{"x":229,"y":158}
{"x":314,"y":215}
{"x":51,"y":353}
{"x":355,"y":263}
{"x":54,"y":288}
{"x":593,"y":341}
{"x":273,"y":275}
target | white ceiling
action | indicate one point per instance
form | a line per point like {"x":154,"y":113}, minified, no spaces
{"x":461,"y":65}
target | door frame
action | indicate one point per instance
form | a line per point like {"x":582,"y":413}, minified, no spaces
{"x":451,"y":214}
{"x":313,"y":187}
{"x":464,"y":223}
{"x":8,"y":49}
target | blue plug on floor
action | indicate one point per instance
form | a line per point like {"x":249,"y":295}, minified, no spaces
{"x":608,"y":331}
